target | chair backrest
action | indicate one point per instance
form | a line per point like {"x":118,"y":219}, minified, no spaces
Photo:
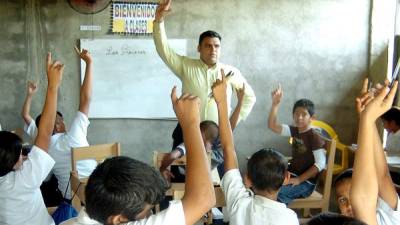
{"x":331,"y":150}
{"x":324,"y":127}
{"x":96,"y":152}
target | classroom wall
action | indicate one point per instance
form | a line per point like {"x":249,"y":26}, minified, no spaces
{"x":316,"y":49}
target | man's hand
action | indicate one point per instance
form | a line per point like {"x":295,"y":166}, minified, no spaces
{"x":276,"y":95}
{"x":31,"y":88}
{"x":219,"y":89}
{"x":187,"y":108}
{"x":84,"y":55}
{"x":163,"y":8}
{"x":54,"y":72}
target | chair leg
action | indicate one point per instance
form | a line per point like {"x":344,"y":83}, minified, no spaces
{"x":306,"y":212}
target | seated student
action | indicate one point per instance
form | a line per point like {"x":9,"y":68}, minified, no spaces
{"x":209,"y":133}
{"x":123,"y":189}
{"x":308,"y":152}
{"x":63,"y":141}
{"x":342,"y":185}
{"x":391,"y":122}
{"x":266,"y":174}
{"x":373,"y":196}
{"x":334,"y":219}
{"x":21,"y":202}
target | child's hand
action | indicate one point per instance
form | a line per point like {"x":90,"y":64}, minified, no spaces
{"x":364,"y":97}
{"x":162,"y":9}
{"x":240,"y":93}
{"x":84,"y":54}
{"x":381,"y":103}
{"x":54,"y":72}
{"x":277,"y":95}
{"x":187,"y":108}
{"x":294,"y":181}
{"x":166,"y":173}
{"x":219,"y":89}
{"x":31,"y":87}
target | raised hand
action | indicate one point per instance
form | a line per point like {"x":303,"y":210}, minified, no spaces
{"x":364,"y":97}
{"x":31,"y":88}
{"x":240,"y":93}
{"x":219,"y":89}
{"x":54,"y":72}
{"x":187,"y":108}
{"x":162,"y":9}
{"x":84,"y":55}
{"x":276,"y":95}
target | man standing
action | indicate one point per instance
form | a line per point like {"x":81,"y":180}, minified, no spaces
{"x":198,"y":75}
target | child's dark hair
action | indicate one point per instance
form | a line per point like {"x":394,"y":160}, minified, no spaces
{"x":122,"y":185}
{"x":306,"y":103}
{"x":37,"y":120}
{"x":210,"y":130}
{"x":334,"y":219}
{"x":392,"y":114}
{"x":267,"y":169}
{"x":209,"y":33}
{"x":347,"y":174}
{"x":10,"y":151}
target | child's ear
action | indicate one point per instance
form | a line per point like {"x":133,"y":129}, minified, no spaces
{"x":247,"y":182}
{"x":198,"y":48}
{"x":116,"y":219}
{"x":287,"y":178}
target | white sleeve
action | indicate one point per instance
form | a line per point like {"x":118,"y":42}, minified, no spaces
{"x":285,"y":130}
{"x":320,"y":159}
{"x":36,"y":168}
{"x":174,"y":214}
{"x":182,"y":148}
{"x":385,"y":215}
{"x":78,"y":130}
{"x":31,"y":129}
{"x":234,"y":189}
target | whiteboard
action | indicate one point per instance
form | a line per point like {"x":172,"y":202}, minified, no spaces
{"x":129,"y":78}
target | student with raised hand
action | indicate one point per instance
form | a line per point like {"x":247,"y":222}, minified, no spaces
{"x":21,"y":202}
{"x":373,"y":196}
{"x":197,"y":75}
{"x":266,"y":173}
{"x":123,"y":190}
{"x":62,"y":140}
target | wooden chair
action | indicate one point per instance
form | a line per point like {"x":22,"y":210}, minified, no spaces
{"x":328,"y":132}
{"x":19,"y":131}
{"x":319,"y":200}
{"x":96,"y":152}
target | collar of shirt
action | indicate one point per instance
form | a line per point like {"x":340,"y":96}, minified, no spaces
{"x":258,"y":199}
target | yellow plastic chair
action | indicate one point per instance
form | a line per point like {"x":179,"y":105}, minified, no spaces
{"x":328,"y":132}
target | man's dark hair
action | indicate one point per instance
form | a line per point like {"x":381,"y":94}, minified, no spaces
{"x":347,"y":174}
{"x":122,"y":185}
{"x":306,"y":103}
{"x":392,"y":114}
{"x":37,"y":120}
{"x":210,"y":130}
{"x":334,"y":219}
{"x":209,"y":33}
{"x":10,"y":151}
{"x":266,"y":169}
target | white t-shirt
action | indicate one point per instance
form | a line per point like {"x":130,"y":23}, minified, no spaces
{"x":245,"y":208}
{"x":60,"y":149}
{"x":393,"y":143}
{"x":174,"y":214}
{"x":21,"y":201}
{"x":385,"y":215}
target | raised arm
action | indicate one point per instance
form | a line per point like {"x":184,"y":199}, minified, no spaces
{"x":234,"y":119}
{"x":54,"y":75}
{"x":86,"y":88}
{"x":167,"y":161}
{"x":365,"y":180}
{"x":26,"y":108}
{"x":273,"y":123}
{"x":225,"y":131}
{"x":199,"y":191}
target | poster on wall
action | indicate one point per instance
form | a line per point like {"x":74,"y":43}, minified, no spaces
{"x":133,"y":17}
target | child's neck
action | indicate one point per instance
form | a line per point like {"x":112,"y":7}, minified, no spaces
{"x":267,"y":194}
{"x":304,"y":129}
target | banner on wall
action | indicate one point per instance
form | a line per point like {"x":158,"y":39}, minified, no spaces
{"x":132,"y":17}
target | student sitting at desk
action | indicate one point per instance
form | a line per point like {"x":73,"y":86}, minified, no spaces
{"x":63,"y":141}
{"x":124,"y":190}
{"x":391,"y":122}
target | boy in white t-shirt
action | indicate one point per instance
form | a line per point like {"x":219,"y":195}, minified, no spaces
{"x":267,"y":171}
{"x":123,"y":190}
{"x":21,"y":202}
{"x":391,"y":122}
{"x":63,"y":141}
{"x":373,"y":196}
